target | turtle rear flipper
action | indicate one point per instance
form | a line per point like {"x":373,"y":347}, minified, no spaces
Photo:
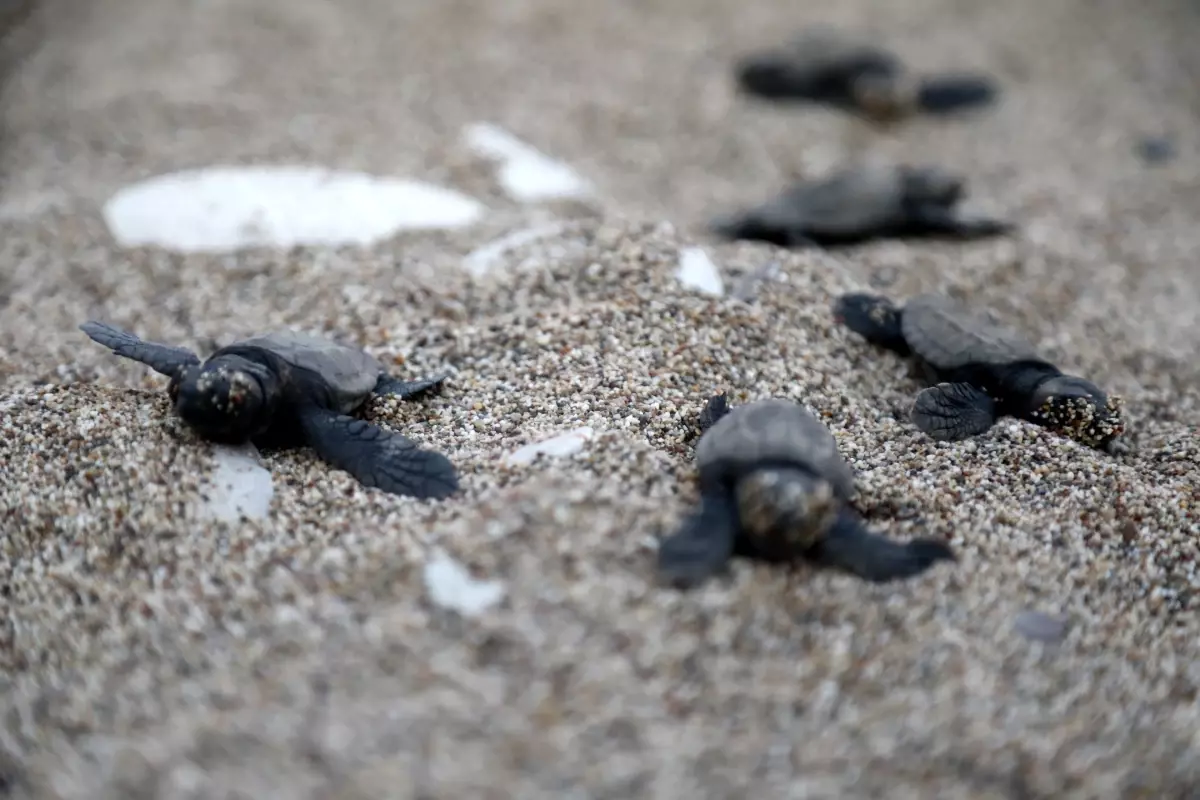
{"x":950,"y":412}
{"x":874,"y":318}
{"x":702,"y":546}
{"x":849,"y":546}
{"x":944,"y":94}
{"x":408,"y":390}
{"x":163,"y":359}
{"x":376,"y":457}
{"x":937,"y":220}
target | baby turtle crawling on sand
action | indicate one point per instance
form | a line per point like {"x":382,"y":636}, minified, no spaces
{"x":828,"y":66}
{"x":287,"y":389}
{"x":862,"y":203}
{"x":774,"y":487}
{"x":980,"y":371}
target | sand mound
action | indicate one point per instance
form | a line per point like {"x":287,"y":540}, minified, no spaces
{"x":146,"y":645}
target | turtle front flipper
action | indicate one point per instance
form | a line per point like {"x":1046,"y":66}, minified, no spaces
{"x":874,"y":318}
{"x":936,"y":220}
{"x":773,"y":75}
{"x":408,"y":390}
{"x":376,"y":457}
{"x":163,"y":359}
{"x":849,"y":546}
{"x":762,"y":225}
{"x":944,"y":94}
{"x":702,"y":546}
{"x":950,"y":412}
{"x":716,"y":407}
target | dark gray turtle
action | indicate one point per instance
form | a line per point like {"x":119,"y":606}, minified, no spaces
{"x":862,"y":203}
{"x":827,"y":66}
{"x":287,"y":389}
{"x":14,"y":13}
{"x":980,"y":371}
{"x":774,"y":487}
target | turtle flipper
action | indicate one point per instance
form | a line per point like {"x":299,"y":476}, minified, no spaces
{"x":716,"y":407}
{"x":874,"y":318}
{"x":950,"y":412}
{"x":761,"y":225}
{"x":408,"y":390}
{"x":702,"y":546}
{"x":936,"y":220}
{"x":772,"y":76}
{"x":163,"y":359}
{"x":944,"y":94}
{"x":851,"y":547}
{"x":376,"y":457}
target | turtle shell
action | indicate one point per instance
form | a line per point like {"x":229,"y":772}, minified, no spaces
{"x":772,"y":430}
{"x":847,"y":202}
{"x":349,"y":372}
{"x":947,"y":335}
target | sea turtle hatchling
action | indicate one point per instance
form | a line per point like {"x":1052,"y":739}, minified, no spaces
{"x":286,"y":389}
{"x":774,"y":487}
{"x":829,"y":66}
{"x":860,"y":203}
{"x":980,"y":371}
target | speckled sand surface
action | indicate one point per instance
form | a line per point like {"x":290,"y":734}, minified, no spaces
{"x":511,"y":642}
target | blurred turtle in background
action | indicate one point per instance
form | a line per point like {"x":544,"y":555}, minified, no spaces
{"x":827,"y":66}
{"x":13,"y":13}
{"x":859,"y":203}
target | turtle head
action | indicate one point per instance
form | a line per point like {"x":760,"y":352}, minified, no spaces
{"x":932,"y":185}
{"x":1078,"y":409}
{"x":785,"y":509}
{"x":226,"y":399}
{"x":884,"y":96}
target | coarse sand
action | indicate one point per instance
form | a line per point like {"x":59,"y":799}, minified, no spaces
{"x":147,"y":653}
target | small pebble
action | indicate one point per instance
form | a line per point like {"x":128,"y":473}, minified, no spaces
{"x":220,"y":209}
{"x":564,"y":444}
{"x":527,"y":174}
{"x":488,"y":257}
{"x":697,"y":271}
{"x":238,"y":486}
{"x":1040,"y":627}
{"x":451,"y":586}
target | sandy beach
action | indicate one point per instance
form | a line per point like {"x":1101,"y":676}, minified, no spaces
{"x":337,"y":642}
